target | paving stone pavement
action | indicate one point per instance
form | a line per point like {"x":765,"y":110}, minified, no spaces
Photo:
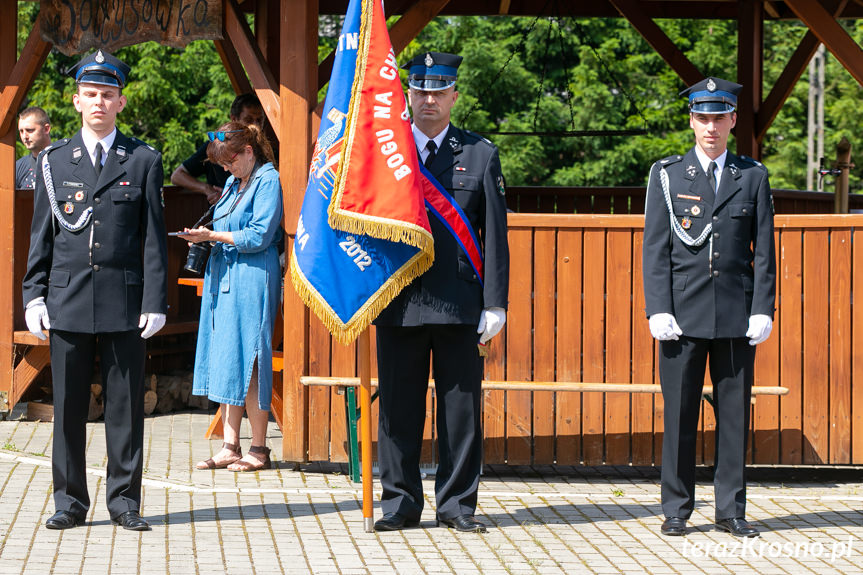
{"x":308,"y":519}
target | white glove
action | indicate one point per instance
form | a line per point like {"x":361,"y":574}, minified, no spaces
{"x":36,"y":316}
{"x":151,"y":322}
{"x":491,"y":321}
{"x":760,"y":326}
{"x":664,"y":327}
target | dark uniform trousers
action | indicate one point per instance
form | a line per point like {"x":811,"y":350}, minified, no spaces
{"x":121,"y":359}
{"x":403,"y":374}
{"x":96,"y":283}
{"x":434,"y":319}
{"x":711,"y":290}
{"x":681,"y":369}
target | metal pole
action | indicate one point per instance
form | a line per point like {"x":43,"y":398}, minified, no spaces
{"x":366,"y":429}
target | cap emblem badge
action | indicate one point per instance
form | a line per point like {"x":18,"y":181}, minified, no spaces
{"x":711,"y":85}
{"x":429,"y":62}
{"x":100,"y":58}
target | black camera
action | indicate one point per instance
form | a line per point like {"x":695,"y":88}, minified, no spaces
{"x":198,"y":253}
{"x":197,"y":258}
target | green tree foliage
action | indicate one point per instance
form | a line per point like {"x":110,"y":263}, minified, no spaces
{"x":519,"y":75}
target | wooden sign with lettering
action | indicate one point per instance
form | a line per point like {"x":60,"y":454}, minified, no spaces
{"x":77,"y":26}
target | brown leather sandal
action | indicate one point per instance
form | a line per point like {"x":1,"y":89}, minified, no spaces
{"x":210,"y":464}
{"x":243,"y":465}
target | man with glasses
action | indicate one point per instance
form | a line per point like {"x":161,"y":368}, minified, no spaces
{"x":709,"y":289}
{"x":245,"y":109}
{"x":446,"y":313}
{"x":96,"y":280}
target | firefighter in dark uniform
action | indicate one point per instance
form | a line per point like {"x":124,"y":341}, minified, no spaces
{"x":96,"y":280}
{"x":445,"y":314}
{"x":710,"y":288}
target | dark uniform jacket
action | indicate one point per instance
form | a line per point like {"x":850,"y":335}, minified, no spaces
{"x":710,"y":299}
{"x":106,"y":287}
{"x":468,"y":166}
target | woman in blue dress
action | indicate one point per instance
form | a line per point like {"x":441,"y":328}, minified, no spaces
{"x":242,"y":283}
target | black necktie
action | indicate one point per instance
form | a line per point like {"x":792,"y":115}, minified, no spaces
{"x":97,"y":165}
{"x":432,"y":148}
{"x":711,"y":177}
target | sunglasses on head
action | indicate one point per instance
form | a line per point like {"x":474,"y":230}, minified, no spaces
{"x":221,"y":135}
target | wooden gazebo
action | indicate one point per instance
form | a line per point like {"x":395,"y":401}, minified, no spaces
{"x":576,"y":304}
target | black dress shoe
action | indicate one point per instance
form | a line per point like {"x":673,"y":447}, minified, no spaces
{"x":394,"y":522}
{"x":62,"y":520}
{"x":465,"y":523}
{"x":737,"y":526}
{"x":674,"y":526}
{"x":132,"y":521}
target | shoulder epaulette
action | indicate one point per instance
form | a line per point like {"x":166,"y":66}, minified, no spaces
{"x":670,"y":160}
{"x":56,"y":145}
{"x":143,"y":143}
{"x":752,"y":161}
{"x":477,"y":137}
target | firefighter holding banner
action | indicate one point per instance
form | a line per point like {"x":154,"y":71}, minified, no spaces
{"x":443,"y":314}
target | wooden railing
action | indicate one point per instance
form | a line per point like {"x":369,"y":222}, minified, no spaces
{"x":630,"y":200}
{"x":576,"y":315}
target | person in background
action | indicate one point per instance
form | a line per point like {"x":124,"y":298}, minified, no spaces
{"x":246,"y":109}
{"x":34,"y":128}
{"x":443,"y":314}
{"x":710,"y":291}
{"x":242,"y":283}
{"x":96,"y":280}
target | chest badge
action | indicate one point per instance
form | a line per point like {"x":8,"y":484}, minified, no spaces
{"x":686,"y":223}
{"x":79,"y":196}
{"x":69,"y":207}
{"x":695,"y":210}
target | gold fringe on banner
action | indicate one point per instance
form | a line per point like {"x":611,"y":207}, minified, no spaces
{"x":345,"y":333}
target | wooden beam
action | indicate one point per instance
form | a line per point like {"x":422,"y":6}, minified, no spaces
{"x":633,"y":11}
{"x":240,"y":35}
{"x":414,"y":20}
{"x":831,"y":34}
{"x":788,"y":79}
{"x":504,"y":7}
{"x":22,"y":75}
{"x":8,"y":51}
{"x":298,"y":38}
{"x":750,"y":71}
{"x":239,"y":81}
{"x":30,"y":366}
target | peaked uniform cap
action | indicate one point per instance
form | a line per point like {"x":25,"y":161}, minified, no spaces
{"x":712,"y":96}
{"x":100,"y":67}
{"x":433,"y":71}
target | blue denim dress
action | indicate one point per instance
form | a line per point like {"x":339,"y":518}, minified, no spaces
{"x":241,"y":295}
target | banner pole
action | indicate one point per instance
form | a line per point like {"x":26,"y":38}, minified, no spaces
{"x":366,"y":429}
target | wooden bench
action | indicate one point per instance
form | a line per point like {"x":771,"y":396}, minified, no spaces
{"x":349,"y":384}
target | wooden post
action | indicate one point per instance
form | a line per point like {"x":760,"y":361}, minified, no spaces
{"x":843,"y":162}
{"x":8,"y":57}
{"x":750,"y":41}
{"x":298,"y":37}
